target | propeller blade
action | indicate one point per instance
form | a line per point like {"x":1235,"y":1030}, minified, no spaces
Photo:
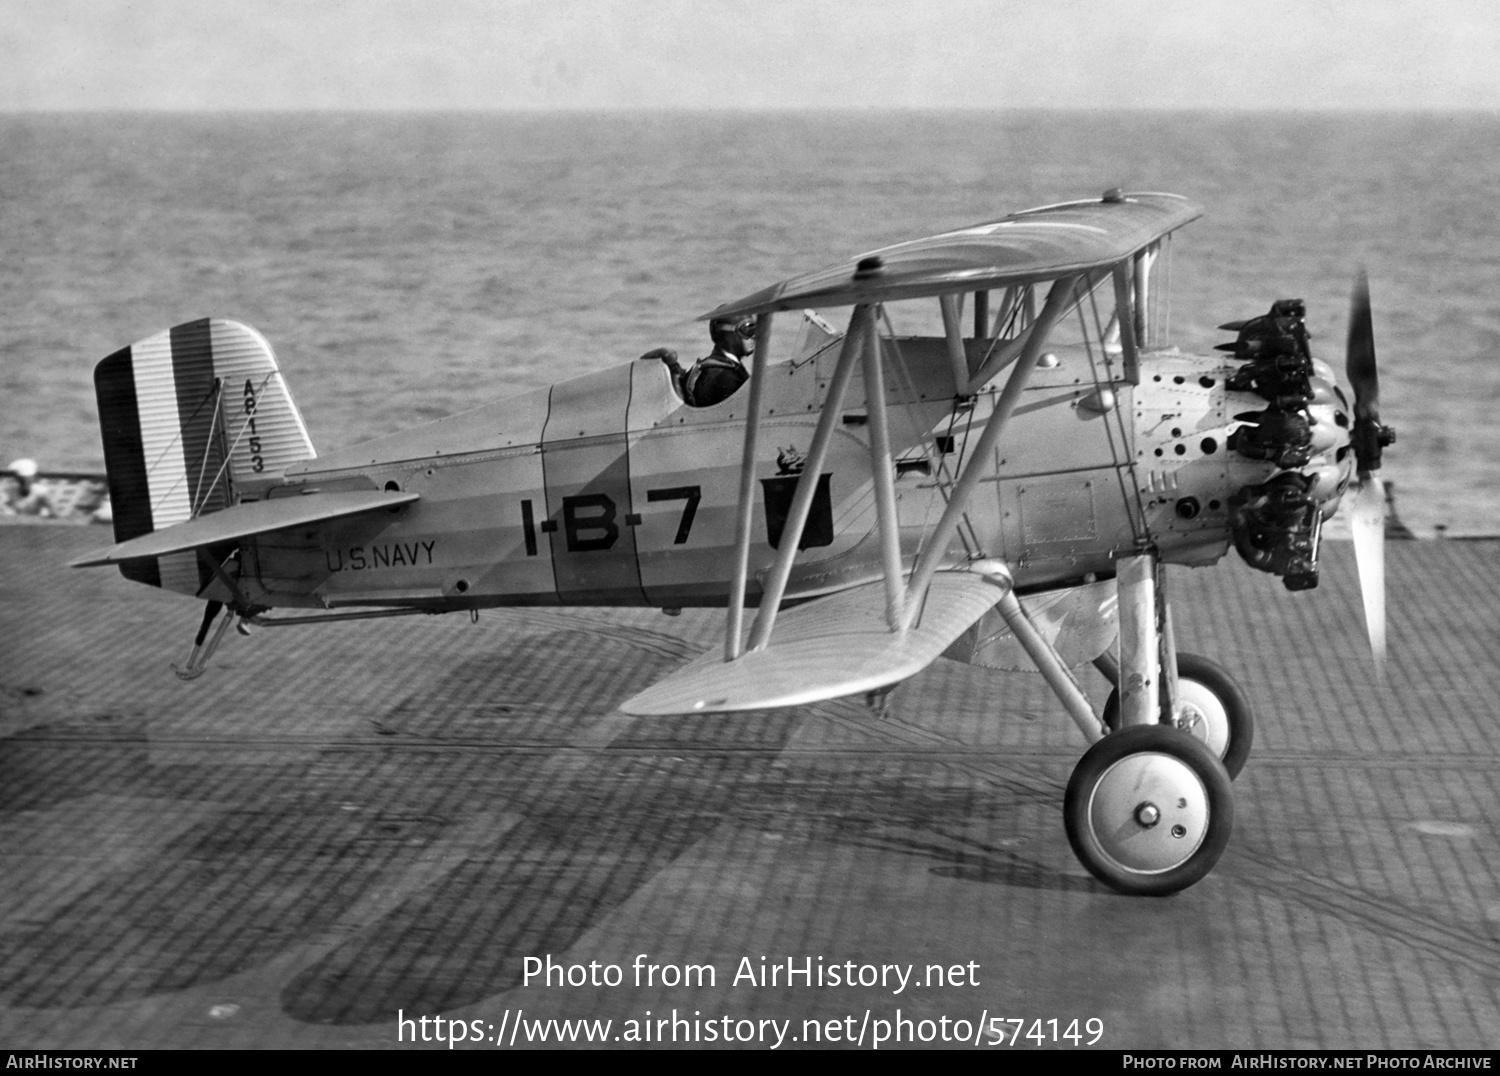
{"x":1367,"y":436}
{"x":1367,"y":521}
{"x":1360,"y":358}
{"x":1367,"y":505}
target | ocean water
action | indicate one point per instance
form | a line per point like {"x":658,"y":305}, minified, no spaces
{"x":407,"y":266}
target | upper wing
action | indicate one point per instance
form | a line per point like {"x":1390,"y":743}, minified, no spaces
{"x":1024,"y":248}
{"x":243,"y":520}
{"x":833,"y":646}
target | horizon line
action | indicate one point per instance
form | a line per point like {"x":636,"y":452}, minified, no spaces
{"x":699,"y":110}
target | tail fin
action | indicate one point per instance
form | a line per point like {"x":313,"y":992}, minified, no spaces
{"x":186,"y":414}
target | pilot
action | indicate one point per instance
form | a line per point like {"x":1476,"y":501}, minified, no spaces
{"x":718,"y":375}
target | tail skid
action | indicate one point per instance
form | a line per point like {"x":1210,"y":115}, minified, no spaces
{"x":199,"y":656}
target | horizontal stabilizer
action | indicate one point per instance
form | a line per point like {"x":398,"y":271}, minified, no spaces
{"x":243,"y":520}
{"x":834,"y":646}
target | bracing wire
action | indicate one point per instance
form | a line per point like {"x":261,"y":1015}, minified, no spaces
{"x":204,"y":494}
{"x":174,"y":442}
{"x":1166,"y":302}
{"x":1118,"y":449}
{"x":944,"y":480}
{"x":259,"y":389}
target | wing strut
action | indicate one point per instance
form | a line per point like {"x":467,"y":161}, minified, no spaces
{"x":1125,"y":318}
{"x":745,"y":509}
{"x":1058,"y":300}
{"x":817,"y":455}
{"x":953,"y":333}
{"x":1142,"y":266}
{"x":883,"y":474}
{"x":1000,"y":355}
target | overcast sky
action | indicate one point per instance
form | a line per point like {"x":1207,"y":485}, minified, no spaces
{"x":716,"y":54}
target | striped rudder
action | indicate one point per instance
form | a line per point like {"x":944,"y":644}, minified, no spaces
{"x":186,"y":415}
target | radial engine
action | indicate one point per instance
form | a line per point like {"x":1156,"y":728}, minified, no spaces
{"x":1303,"y":430}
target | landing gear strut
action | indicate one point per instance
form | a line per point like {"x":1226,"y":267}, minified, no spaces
{"x":1210,"y":707}
{"x":1149,"y":807}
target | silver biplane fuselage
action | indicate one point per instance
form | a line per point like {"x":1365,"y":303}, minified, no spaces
{"x":609,"y":490}
{"x":1018,"y":477}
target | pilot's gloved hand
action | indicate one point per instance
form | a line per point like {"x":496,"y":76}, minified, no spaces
{"x":665,"y":354}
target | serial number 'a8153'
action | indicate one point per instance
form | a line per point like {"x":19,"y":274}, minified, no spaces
{"x":257,"y":461}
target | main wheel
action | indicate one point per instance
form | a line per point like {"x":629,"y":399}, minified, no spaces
{"x":1149,"y":810}
{"x":1213,"y":710}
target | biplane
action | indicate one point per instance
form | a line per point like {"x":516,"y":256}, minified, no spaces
{"x":1003,"y":477}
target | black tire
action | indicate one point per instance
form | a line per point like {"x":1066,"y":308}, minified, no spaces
{"x":1129,"y":796}
{"x":1233,"y":715}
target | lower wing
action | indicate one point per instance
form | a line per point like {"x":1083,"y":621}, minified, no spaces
{"x":830,"y":647}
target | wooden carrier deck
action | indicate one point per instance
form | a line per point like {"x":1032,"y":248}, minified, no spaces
{"x":338,"y":824}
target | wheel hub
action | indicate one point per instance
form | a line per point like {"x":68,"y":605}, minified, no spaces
{"x":1201,"y":714}
{"x":1190,"y":720}
{"x":1149,"y":812}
